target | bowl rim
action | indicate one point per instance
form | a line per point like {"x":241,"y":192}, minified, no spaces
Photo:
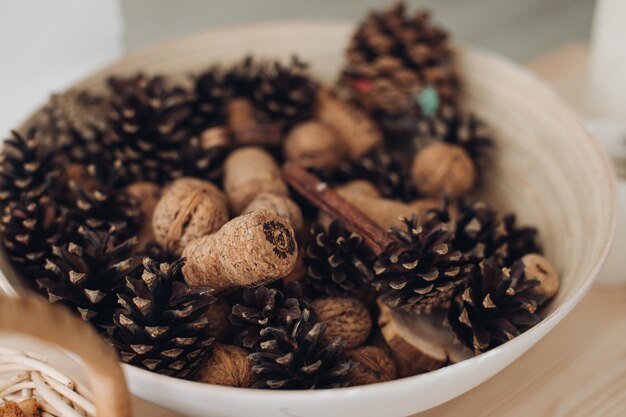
{"x":546,"y":323}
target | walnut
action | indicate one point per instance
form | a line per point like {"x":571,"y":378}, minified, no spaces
{"x":539,"y":268}
{"x":218,"y":314}
{"x":371,"y":365}
{"x":345,"y":317}
{"x":188,"y":209}
{"x":441,"y":169}
{"x":313,"y":145}
{"x":229,"y":365}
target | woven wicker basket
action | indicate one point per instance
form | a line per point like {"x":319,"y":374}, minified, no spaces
{"x":26,"y":375}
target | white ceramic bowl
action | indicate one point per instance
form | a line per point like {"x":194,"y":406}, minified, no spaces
{"x":547,"y":168}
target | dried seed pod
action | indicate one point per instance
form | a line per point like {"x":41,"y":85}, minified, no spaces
{"x":283,"y":206}
{"x":249,"y":172}
{"x":371,"y":365}
{"x":537,"y":267}
{"x":313,"y":144}
{"x":217,"y":315}
{"x":357,"y":131}
{"x":250,"y":250}
{"x":188,"y":209}
{"x":246,"y":128}
{"x":442,"y":169}
{"x":345,"y":317}
{"x":148,"y":195}
{"x":229,"y":365}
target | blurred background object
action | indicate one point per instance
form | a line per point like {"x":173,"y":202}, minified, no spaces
{"x":46,"y":44}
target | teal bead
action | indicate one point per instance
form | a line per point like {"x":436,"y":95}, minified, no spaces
{"x":428,"y":100}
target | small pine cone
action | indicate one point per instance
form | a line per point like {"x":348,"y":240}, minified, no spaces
{"x":27,"y":167}
{"x":481,"y":233}
{"x":211,"y":94}
{"x":75,"y":122}
{"x":496,"y":305}
{"x":372,"y":364}
{"x":286,"y":93}
{"x":423,"y":269}
{"x":296,"y":358}
{"x":241,"y":78}
{"x":264,"y":307}
{"x":86,"y":276}
{"x":337,"y":261}
{"x":451,"y":125}
{"x":30,"y":228}
{"x":161,"y":325}
{"x":384,"y":170}
{"x":392,"y":57}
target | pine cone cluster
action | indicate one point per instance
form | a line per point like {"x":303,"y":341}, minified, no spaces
{"x":422,"y":271}
{"x":337,"y":261}
{"x":161,"y":325}
{"x":392,"y":57}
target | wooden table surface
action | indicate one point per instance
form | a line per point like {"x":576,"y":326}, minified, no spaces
{"x":578,"y":369}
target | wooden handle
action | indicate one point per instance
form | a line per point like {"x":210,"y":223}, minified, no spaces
{"x":34,"y":317}
{"x":325,"y":198}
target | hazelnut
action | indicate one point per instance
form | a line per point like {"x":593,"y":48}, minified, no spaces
{"x":247,"y":173}
{"x":313,"y":145}
{"x":361,"y":188}
{"x":148,"y":195}
{"x":188,"y":209}
{"x":539,"y":268}
{"x":345,"y":317}
{"x":283,"y":206}
{"x":250,"y":250}
{"x":229,"y":365}
{"x":441,"y":169}
{"x":218,"y":315}
{"x":371,"y":364}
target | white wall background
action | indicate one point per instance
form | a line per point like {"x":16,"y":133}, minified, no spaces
{"x":47,"y":44}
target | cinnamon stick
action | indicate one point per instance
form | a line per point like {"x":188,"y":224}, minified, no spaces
{"x":325,"y":198}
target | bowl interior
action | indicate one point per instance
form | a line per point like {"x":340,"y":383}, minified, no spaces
{"x":546,"y":168}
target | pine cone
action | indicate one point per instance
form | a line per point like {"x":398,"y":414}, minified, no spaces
{"x":423,"y":269}
{"x":76,"y":124}
{"x":452,"y":126}
{"x":161,"y":325}
{"x":27,"y":167}
{"x":481,"y":233}
{"x":266,"y":307}
{"x":106,"y":208}
{"x":242,"y":77}
{"x":30,"y":228}
{"x":392,"y":57}
{"x":495,"y":305}
{"x":287,"y":94}
{"x":296,"y":358}
{"x":211,"y":93}
{"x":382,"y":169}
{"x":85,"y":277}
{"x":151,"y":123}
{"x":337,"y":261}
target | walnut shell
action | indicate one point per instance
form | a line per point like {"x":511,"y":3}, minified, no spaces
{"x":229,"y":365}
{"x":188,"y":209}
{"x":313,"y":144}
{"x":538,"y":267}
{"x":441,"y":169}
{"x":372,"y":364}
{"x":345,"y":317}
